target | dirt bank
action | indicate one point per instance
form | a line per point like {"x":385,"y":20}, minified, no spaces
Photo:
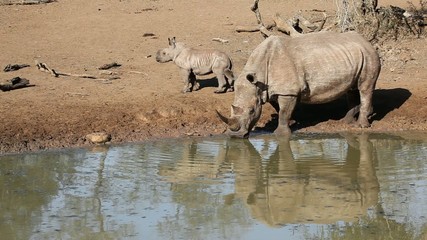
{"x":144,"y":100}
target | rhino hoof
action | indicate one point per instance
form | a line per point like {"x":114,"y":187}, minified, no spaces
{"x":364,"y":125}
{"x":220,"y":91}
{"x":349,"y":120}
{"x":282,"y":131}
{"x":196,"y":87}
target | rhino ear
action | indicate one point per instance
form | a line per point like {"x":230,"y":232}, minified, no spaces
{"x":236,"y":110}
{"x":172,"y":42}
{"x":251,"y":77}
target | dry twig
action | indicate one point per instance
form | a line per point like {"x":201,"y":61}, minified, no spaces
{"x":220,"y":40}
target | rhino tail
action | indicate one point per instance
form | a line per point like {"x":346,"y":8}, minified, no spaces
{"x":229,"y":74}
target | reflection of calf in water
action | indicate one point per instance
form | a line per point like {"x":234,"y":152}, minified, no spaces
{"x":288,"y":190}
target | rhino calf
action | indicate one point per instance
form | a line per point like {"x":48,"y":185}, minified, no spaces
{"x":192,"y":62}
{"x":313,"y":68}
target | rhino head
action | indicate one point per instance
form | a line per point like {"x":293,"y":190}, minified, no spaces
{"x":169,"y":53}
{"x":247,"y":106}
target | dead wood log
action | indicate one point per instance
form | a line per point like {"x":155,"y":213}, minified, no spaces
{"x":247,"y":28}
{"x":268,"y":26}
{"x":264,"y":31}
{"x":285,"y":27}
{"x":109,"y":65}
{"x":293,"y":27}
{"x":25,"y":2}
{"x":14,"y":67}
{"x":15,"y":83}
{"x":308,"y":26}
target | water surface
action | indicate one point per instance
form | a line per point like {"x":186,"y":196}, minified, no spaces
{"x":341,"y":186}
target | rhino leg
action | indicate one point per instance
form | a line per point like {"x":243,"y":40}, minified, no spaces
{"x":365,"y":107}
{"x":194,"y":84}
{"x":230,"y":79}
{"x":353,"y":97}
{"x":185,"y":74}
{"x":222,"y":83}
{"x":220,"y":69}
{"x":286,"y":107}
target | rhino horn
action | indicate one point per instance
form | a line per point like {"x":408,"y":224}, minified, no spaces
{"x":222,"y":117}
{"x":232,"y":123}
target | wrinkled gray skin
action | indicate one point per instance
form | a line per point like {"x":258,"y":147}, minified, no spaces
{"x":313,"y":68}
{"x":192,"y":62}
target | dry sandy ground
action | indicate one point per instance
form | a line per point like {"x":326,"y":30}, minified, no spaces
{"x":78,"y":36}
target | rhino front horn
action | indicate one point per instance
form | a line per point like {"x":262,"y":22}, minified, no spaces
{"x":232,"y":123}
{"x":223,"y":118}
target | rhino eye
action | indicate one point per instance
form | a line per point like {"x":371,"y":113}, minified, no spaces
{"x":251,"y":111}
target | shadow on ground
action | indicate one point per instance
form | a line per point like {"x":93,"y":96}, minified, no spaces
{"x":208,"y":82}
{"x":384,"y":101}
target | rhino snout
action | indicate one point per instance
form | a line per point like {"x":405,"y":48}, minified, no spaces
{"x":158,"y":59}
{"x":238,"y":134}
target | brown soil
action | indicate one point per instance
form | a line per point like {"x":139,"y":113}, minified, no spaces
{"x":78,"y":36}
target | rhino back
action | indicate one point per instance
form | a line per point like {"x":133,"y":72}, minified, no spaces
{"x":329,"y":64}
{"x":257,"y":64}
{"x":201,"y":61}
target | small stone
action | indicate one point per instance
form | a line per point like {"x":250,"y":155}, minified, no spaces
{"x":99,"y":137}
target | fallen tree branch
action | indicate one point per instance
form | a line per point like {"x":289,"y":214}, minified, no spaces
{"x":293,"y":27}
{"x":26,"y":2}
{"x":268,"y":26}
{"x":77,"y":75}
{"x":15,"y":83}
{"x":264,"y":31}
{"x":322,"y":23}
{"x":307,"y":26}
{"x":14,"y":67}
{"x":109,"y":65}
{"x":247,"y":28}
{"x":45,"y":68}
{"x":285,"y":27}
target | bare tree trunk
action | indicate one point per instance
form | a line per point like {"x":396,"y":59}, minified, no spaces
{"x":264,"y":31}
{"x":351,"y":12}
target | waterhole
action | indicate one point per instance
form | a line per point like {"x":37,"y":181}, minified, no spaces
{"x":311,"y":186}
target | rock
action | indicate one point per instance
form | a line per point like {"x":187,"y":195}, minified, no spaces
{"x":98,"y":137}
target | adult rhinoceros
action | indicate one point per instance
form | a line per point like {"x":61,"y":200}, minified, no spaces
{"x":313,"y":68}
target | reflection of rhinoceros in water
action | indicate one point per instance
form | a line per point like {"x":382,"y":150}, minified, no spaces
{"x":310,"y":189}
{"x":288,"y":181}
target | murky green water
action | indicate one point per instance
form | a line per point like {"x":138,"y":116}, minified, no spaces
{"x":311,"y":187}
